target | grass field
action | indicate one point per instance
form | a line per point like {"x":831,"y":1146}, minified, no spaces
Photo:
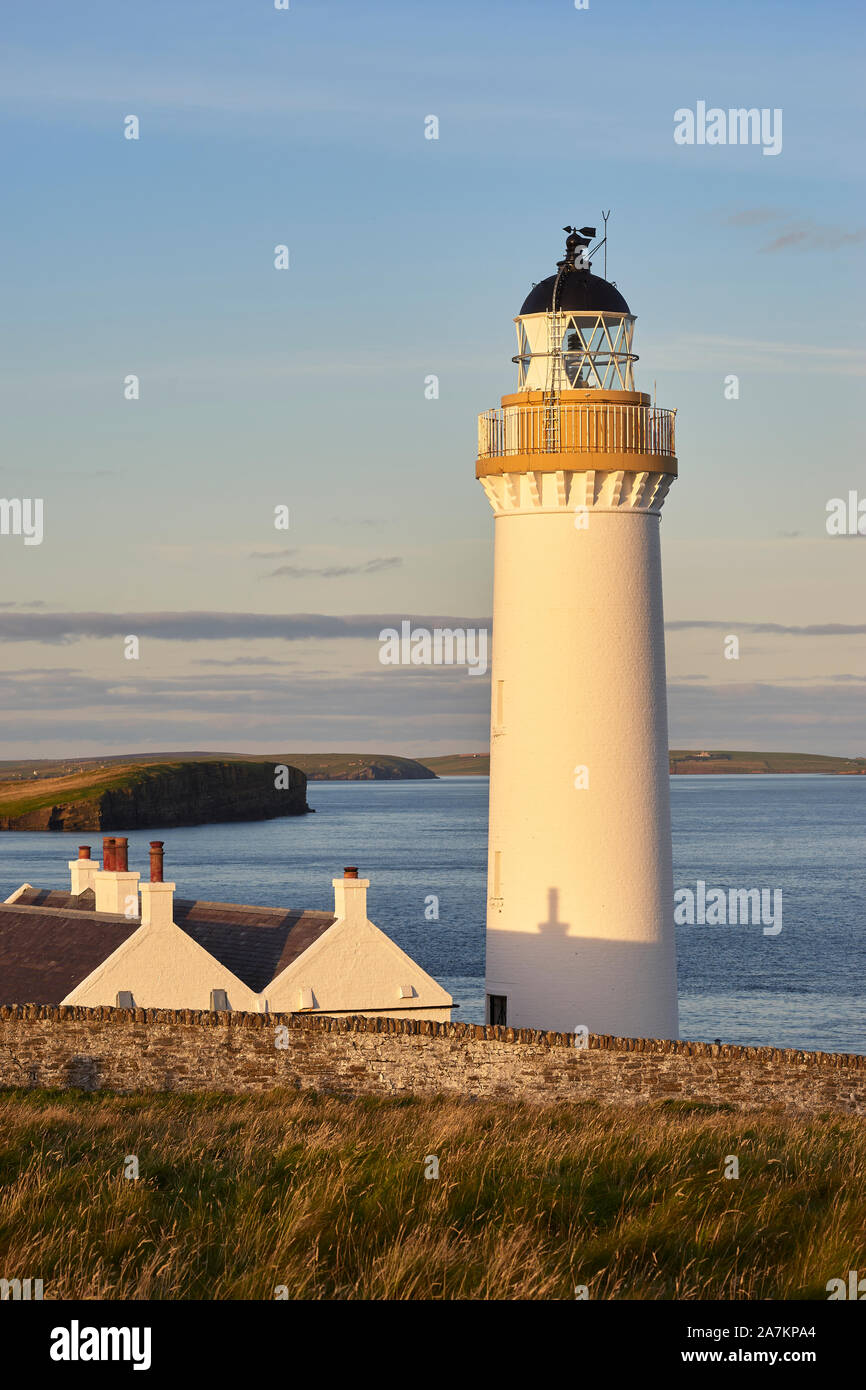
{"x":59,"y":782}
{"x":75,"y":781}
{"x":17,"y":798}
{"x":459,"y":764}
{"x":239,"y":1195}
{"x":725,"y":760}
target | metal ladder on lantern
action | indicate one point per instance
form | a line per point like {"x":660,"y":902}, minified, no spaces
{"x":551,"y":417}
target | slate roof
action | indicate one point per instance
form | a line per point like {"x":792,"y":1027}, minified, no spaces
{"x":50,"y":940}
{"x":254,"y":943}
{"x":53,"y":897}
{"x":46,"y":951}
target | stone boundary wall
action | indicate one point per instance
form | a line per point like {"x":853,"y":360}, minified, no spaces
{"x":128,"y":1050}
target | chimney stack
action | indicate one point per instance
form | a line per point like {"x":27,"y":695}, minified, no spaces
{"x":115,"y":887}
{"x":350,"y":896}
{"x":157,"y":896}
{"x":157,"y":851}
{"x":83,"y":870}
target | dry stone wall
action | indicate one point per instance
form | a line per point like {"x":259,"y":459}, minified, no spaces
{"x":128,"y":1050}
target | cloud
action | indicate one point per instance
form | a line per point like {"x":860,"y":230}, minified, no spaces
{"x":810,"y":630}
{"x":753,"y":217}
{"x":392,"y":709}
{"x":800,"y":234}
{"x":241,"y":661}
{"x":61,"y":628}
{"x":383,"y":707}
{"x":820,"y":719}
{"x":810,"y":236}
{"x":692,"y":352}
{"x":382,"y":562}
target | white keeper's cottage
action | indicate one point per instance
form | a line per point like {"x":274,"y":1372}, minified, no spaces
{"x":115,"y":940}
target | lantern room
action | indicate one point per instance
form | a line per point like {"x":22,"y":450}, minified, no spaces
{"x":575,"y":330}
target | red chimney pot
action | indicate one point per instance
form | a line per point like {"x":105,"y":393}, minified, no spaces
{"x":351,"y":872}
{"x":84,"y":851}
{"x":121,"y":854}
{"x":107,"y":854}
{"x":156,"y":859}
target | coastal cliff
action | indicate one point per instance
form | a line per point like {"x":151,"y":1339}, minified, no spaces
{"x":185,"y":793}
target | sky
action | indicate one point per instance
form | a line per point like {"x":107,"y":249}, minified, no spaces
{"x":305,"y":388}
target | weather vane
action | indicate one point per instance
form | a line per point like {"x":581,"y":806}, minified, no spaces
{"x":576,"y":242}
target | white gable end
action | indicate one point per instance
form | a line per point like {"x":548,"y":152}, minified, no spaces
{"x":354,"y":967}
{"x":162,"y":968}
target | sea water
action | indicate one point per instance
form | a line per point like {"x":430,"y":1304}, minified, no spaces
{"x":423,"y":845}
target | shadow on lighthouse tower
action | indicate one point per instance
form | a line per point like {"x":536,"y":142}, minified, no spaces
{"x":576,"y":465}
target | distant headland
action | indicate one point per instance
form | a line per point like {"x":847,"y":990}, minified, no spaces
{"x":128,"y":790}
{"x":691,"y":761}
{"x":684,"y":762}
{"x":127,"y":794}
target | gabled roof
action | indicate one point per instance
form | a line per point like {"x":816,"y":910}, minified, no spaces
{"x":45,"y":951}
{"x":254,"y":943}
{"x":50,"y":940}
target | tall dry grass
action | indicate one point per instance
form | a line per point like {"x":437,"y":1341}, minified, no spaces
{"x":327,"y":1196}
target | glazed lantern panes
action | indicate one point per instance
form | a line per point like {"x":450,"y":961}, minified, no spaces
{"x":580,"y":350}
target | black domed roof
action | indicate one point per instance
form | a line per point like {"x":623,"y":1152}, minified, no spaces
{"x":578,"y":289}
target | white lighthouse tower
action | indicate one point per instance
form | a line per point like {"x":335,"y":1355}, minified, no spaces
{"x":576,"y":465}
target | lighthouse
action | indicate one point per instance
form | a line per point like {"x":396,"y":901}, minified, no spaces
{"x":576,"y":465}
